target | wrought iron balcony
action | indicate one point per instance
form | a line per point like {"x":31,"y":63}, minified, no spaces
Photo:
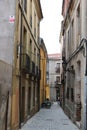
{"x":33,"y":68}
{"x":25,"y":63}
{"x":38,"y":73}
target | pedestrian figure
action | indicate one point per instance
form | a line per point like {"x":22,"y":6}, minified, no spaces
{"x":58,"y":100}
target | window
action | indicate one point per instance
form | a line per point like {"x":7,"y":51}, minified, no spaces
{"x":31,"y":13}
{"x":72,"y":33}
{"x":67,"y":93}
{"x":35,"y":55}
{"x":57,"y":69}
{"x":30,"y":51}
{"x":24,"y":39}
{"x":31,"y":21}
{"x":68,"y":39}
{"x":72,"y":95}
{"x":38,"y":33}
{"x":78,"y":24}
{"x":36,"y":94}
{"x":35,"y":31}
{"x":34,"y":24}
{"x":25,"y":5}
{"x":58,"y":79}
{"x":78,"y":16}
{"x":33,"y":93}
{"x":30,"y":48}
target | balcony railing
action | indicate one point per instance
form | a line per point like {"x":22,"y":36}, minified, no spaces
{"x":25,"y":63}
{"x":33,"y":68}
{"x":28,"y":66}
{"x":38,"y":73}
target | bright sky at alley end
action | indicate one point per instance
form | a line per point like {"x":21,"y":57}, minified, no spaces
{"x":51,"y":24}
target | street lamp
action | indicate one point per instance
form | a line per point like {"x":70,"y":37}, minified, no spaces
{"x":20,"y":52}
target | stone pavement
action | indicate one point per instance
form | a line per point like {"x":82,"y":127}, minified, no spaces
{"x":50,"y":119}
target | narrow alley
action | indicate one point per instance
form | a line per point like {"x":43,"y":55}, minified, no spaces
{"x":43,"y":59}
{"x":50,"y":119}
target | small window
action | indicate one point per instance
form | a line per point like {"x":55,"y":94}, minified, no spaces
{"x":72,"y":95}
{"x":34,"y":24}
{"x":31,"y":21}
{"x":25,"y":5}
{"x":67,"y":93}
{"x":57,"y":68}
{"x":58,"y":79}
{"x":33,"y":94}
{"x":30,"y":10}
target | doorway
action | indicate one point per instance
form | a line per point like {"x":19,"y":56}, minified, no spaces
{"x":29,"y":99}
{"x":23,"y":104}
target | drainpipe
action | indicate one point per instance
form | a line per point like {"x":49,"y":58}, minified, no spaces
{"x":85,"y":91}
{"x":20,"y":93}
{"x":86,"y":88}
{"x":39,"y":84}
{"x":84,"y":34}
{"x":7,"y":105}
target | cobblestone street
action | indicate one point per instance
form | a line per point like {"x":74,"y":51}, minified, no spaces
{"x":50,"y":119}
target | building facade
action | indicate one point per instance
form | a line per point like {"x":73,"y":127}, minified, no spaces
{"x":55,"y":63}
{"x":19,"y":61}
{"x":44,"y":87}
{"x":47,"y":80}
{"x":74,"y":34}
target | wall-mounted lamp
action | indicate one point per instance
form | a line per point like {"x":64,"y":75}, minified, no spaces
{"x":71,"y":69}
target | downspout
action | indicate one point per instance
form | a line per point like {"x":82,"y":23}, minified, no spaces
{"x":20,"y":93}
{"x":39,"y":84}
{"x":6,"y":120}
{"x":86,"y":89}
{"x":84,"y":34}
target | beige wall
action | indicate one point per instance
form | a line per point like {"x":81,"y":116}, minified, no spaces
{"x":75,"y":24}
{"x":32,"y":51}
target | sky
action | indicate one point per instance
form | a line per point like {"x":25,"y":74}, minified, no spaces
{"x":51,"y":24}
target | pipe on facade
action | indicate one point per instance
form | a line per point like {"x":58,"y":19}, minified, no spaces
{"x":7,"y":104}
{"x":86,"y":89}
{"x":20,"y":102}
{"x":77,"y":50}
{"x":85,"y":113}
{"x":39,"y":84}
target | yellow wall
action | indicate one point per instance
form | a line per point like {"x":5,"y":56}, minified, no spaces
{"x":43,"y":76}
{"x":47,"y":92}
